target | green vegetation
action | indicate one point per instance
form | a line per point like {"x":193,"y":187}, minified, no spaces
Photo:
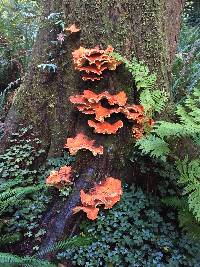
{"x":134,"y":233}
{"x":161,"y":228}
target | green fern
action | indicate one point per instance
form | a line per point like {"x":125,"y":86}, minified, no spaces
{"x":10,"y":238}
{"x":187,"y":221}
{"x":8,"y":184}
{"x":155,"y":146}
{"x":14,"y":260}
{"x":77,"y":241}
{"x":13,"y":197}
{"x":153,"y":100}
{"x":175,"y":202}
{"x":189,"y":178}
{"x":163,"y":131}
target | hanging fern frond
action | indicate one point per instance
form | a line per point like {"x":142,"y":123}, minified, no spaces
{"x":13,"y":197}
{"x":10,"y":239}
{"x":154,"y":146}
{"x":14,"y":260}
{"x":187,"y":221}
{"x":189,"y":178}
{"x":153,"y":100}
{"x":163,"y":131}
{"x":77,"y":241}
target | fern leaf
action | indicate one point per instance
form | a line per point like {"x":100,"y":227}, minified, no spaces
{"x":6,"y":258}
{"x":154,"y":146}
{"x":167,"y":129}
{"x":10,"y":238}
{"x":77,"y":241}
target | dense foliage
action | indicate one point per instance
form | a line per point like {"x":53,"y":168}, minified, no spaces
{"x":134,"y":233}
{"x":141,"y":230}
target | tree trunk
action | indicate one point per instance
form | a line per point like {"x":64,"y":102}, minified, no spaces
{"x":147,"y":28}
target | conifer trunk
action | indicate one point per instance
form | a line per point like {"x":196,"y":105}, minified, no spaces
{"x":147,"y":28}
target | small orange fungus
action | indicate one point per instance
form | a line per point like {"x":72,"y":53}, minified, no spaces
{"x":72,"y":29}
{"x":106,"y":193}
{"x":105,"y":127}
{"x":134,"y":112}
{"x":60,"y":177}
{"x":91,"y":212}
{"x":81,"y":141}
{"x":138,"y":132}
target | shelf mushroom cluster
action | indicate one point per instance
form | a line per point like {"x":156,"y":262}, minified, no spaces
{"x":93,"y":62}
{"x":106,"y":193}
{"x":90,"y":103}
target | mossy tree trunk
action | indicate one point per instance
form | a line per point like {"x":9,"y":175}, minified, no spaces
{"x":147,"y":28}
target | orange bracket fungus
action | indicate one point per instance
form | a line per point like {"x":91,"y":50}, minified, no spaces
{"x":119,"y":99}
{"x":60,"y":177}
{"x":90,"y":103}
{"x":105,"y":127}
{"x":72,"y":29}
{"x":81,"y":141}
{"x":93,"y":62}
{"x":106,"y":193}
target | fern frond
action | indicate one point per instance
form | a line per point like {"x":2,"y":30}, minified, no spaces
{"x":6,"y":258}
{"x":76,"y":241}
{"x":175,"y":202}
{"x":8,"y":184}
{"x":10,"y":238}
{"x":187,"y":221}
{"x":13,"y":197}
{"x":153,"y":100}
{"x":19,"y":191}
{"x":139,"y":71}
{"x":154,"y":146}
{"x":189,"y":178}
{"x":189,"y":224}
{"x":168,"y":129}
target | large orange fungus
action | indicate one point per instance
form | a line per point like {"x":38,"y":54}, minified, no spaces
{"x":106,"y":193}
{"x":81,"y":141}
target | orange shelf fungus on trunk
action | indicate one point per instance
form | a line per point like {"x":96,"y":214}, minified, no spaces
{"x":105,"y":127}
{"x":92,"y":212}
{"x":94,"y":61}
{"x":81,"y":141}
{"x":138,"y":132}
{"x":119,"y":99}
{"x":72,"y":29}
{"x":60,"y":178}
{"x":134,"y":112}
{"x":106,"y":193}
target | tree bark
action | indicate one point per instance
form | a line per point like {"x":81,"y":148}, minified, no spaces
{"x":147,"y":28}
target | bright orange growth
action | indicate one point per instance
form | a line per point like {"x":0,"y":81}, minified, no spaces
{"x":91,"y":212}
{"x":106,"y":193}
{"x":81,"y":141}
{"x":60,"y":177}
{"x":105,"y":127}
{"x":72,"y":29}
{"x":94,"y":61}
{"x":90,"y":103}
{"x":134,"y":112}
{"x":89,"y":96}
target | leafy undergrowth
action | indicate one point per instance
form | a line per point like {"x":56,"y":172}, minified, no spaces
{"x":134,"y":233}
{"x":23,"y":194}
